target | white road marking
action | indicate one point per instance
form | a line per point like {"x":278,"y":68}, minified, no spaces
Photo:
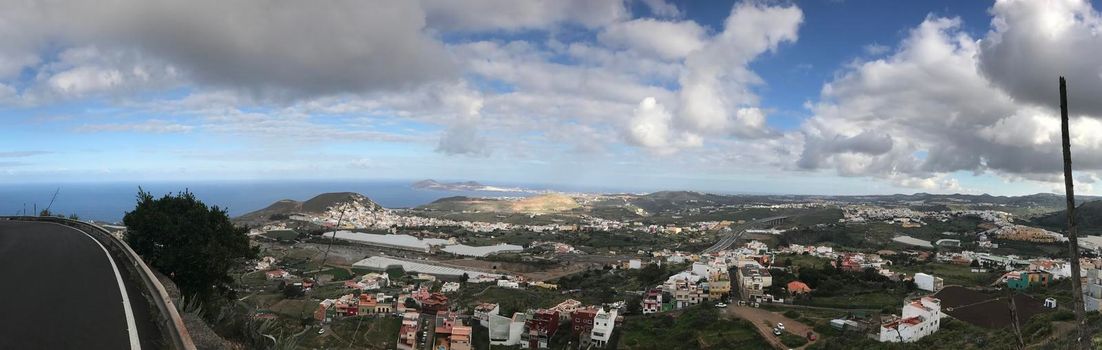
{"x":131,"y":327}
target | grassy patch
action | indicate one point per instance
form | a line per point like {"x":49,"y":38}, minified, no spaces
{"x":366,"y":333}
{"x":338,"y":273}
{"x":950,"y":273}
{"x":868,"y":300}
{"x":792,"y":340}
{"x":696,"y":328}
{"x":282,"y":235}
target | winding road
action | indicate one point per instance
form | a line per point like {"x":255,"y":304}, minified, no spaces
{"x":63,"y":290}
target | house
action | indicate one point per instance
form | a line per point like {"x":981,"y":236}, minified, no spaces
{"x":604,"y":322}
{"x":541,"y":326}
{"x":265,"y":263}
{"x":460,"y":338}
{"x":373,"y":281}
{"x":432,"y":302}
{"x":719,"y":285}
{"x":928,"y":282}
{"x":425,"y":277}
{"x":375,"y":304}
{"x":277,"y":274}
{"x":652,"y":301}
{"x":445,"y":323}
{"x":1021,"y":280}
{"x":449,"y":287}
{"x":752,"y":281}
{"x":508,"y":284}
{"x":919,"y":318}
{"x":347,"y":305}
{"x":544,"y":285}
{"x":325,"y":311}
{"x":635,"y":264}
{"x":505,"y":330}
{"x":686,"y":293}
{"x":581,"y":320}
{"x":407,"y":333}
{"x":483,"y":311}
{"x":797,"y":287}
{"x":566,"y":308}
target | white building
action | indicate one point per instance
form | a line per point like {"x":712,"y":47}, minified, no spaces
{"x":449,"y":287}
{"x":507,"y":331}
{"x":483,"y":311}
{"x":265,"y":263}
{"x":635,"y":264}
{"x":1092,"y":291}
{"x":603,"y":324}
{"x":920,"y":318}
{"x":508,"y":284}
{"x":928,"y":282}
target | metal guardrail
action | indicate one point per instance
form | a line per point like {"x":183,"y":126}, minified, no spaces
{"x":169,"y":322}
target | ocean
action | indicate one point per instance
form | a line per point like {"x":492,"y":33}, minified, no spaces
{"x":110,"y":201}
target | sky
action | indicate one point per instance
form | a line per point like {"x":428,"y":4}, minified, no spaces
{"x":796,"y":97}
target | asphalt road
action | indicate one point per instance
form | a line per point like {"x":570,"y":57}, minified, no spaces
{"x":736,"y":234}
{"x":61,"y":292}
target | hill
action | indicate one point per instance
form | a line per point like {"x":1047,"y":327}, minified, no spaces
{"x":548,"y":203}
{"x":318,"y":204}
{"x":1088,"y":216}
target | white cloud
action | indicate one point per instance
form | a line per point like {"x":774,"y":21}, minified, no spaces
{"x":661,"y":8}
{"x":511,"y":15}
{"x":1031,"y":43}
{"x":291,"y":51}
{"x":154,"y":126}
{"x":716,"y":82}
{"x":875,"y":49}
{"x":663,"y":39}
{"x":939,"y":104}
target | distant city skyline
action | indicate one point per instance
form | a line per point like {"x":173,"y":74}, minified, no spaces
{"x":809,"y":97}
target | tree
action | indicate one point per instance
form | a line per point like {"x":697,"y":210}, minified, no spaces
{"x":463,"y":279}
{"x":651,"y":274}
{"x":293,"y":291}
{"x":634,"y":305}
{"x":193,"y":244}
{"x":975,"y":263}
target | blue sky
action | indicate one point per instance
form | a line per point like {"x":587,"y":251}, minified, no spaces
{"x":814,"y":97}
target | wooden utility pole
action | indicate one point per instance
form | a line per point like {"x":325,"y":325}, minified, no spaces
{"x":1073,"y":240}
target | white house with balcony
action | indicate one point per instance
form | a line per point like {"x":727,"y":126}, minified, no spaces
{"x":603,"y":324}
{"x":920,"y":318}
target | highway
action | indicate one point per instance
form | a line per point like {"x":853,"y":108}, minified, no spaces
{"x":736,"y":234}
{"x":63,"y":291}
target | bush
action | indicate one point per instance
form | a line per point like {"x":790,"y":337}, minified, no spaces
{"x":792,"y":314}
{"x":792,"y":341}
{"x":1063,"y":315}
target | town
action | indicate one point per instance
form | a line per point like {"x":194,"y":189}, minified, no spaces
{"x":379,"y":278}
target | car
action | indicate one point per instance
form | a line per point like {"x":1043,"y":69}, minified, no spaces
{"x":721,"y":305}
{"x":776,"y":331}
{"x":780,"y":326}
{"x":811,"y":336}
{"x":321,"y":331}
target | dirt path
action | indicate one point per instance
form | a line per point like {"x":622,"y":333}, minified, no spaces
{"x":760,"y":317}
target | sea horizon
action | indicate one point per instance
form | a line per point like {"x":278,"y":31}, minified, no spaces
{"x":109,"y":201}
